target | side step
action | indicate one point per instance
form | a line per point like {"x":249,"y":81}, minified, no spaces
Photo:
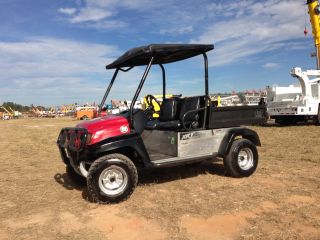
{"x":175,"y":161}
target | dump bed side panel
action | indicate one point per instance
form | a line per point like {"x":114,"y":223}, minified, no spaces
{"x":234,"y":116}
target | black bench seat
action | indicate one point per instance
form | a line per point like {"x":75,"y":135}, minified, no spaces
{"x":177,"y":113}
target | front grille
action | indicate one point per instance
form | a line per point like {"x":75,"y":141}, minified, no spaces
{"x":73,"y":138}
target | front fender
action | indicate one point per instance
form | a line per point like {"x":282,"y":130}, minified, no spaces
{"x":237,"y":132}
{"x":132,"y":141}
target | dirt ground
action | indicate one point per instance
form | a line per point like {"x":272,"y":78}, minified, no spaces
{"x":280,"y":201}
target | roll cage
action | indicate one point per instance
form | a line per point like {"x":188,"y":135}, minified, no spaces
{"x":156,"y":54}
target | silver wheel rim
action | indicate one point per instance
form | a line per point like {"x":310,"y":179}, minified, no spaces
{"x":113,"y":180}
{"x":245,"y":158}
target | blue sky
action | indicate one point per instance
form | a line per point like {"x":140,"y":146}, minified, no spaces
{"x":55,"y":52}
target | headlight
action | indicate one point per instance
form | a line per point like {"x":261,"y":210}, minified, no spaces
{"x":89,"y":136}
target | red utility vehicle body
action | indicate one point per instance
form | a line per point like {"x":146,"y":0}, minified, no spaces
{"x":105,"y":127}
{"x":103,"y":113}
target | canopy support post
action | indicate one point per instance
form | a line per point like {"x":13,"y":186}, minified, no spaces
{"x":136,"y":95}
{"x":107,"y":92}
{"x":163,"y":81}
{"x":207,"y":97}
{"x":206,"y":74}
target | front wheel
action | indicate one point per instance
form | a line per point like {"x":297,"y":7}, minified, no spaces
{"x":242,"y":158}
{"x":112,"y":178}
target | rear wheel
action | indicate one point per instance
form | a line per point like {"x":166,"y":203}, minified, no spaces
{"x":242,"y":158}
{"x":112,"y":178}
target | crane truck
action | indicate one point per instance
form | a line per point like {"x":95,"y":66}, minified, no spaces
{"x":289,"y":105}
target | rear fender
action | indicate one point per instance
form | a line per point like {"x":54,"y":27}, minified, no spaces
{"x":245,"y":133}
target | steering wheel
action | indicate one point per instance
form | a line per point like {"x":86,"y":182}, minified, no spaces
{"x":150,"y":109}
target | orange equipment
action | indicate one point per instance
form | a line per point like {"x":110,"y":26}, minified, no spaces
{"x":83,"y":113}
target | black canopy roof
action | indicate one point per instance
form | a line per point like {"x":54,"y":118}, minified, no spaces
{"x":162,"y":53}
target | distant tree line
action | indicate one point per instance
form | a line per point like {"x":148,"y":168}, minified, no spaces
{"x":16,"y":107}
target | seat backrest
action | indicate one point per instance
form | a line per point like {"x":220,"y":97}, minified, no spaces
{"x":168,"y":110}
{"x":139,"y":120}
{"x":189,"y":104}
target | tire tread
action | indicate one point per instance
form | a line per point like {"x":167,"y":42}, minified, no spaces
{"x":94,"y":168}
{"x":230,"y":164}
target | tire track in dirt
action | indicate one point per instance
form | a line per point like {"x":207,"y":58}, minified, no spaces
{"x":233,"y":226}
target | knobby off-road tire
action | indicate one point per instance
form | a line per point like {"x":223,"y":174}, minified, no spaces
{"x":112,"y":178}
{"x":242,"y":159}
{"x":75,"y":177}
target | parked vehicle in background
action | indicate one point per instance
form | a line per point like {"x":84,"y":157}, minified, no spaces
{"x":7,"y":114}
{"x":85,"y":113}
{"x":289,"y":105}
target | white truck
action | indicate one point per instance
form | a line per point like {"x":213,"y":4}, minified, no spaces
{"x":289,"y":105}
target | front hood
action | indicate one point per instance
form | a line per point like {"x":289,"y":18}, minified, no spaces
{"x":105,"y":127}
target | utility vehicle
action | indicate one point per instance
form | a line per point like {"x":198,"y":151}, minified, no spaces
{"x":106,"y":152}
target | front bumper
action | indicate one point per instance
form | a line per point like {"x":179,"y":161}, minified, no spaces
{"x":71,"y":143}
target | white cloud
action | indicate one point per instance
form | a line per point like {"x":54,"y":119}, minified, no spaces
{"x":163,"y":15}
{"x":255,"y":27}
{"x":128,"y":4}
{"x":270,"y":65}
{"x":52,"y":70}
{"x":53,"y":56}
{"x":68,"y":11}
{"x":105,"y":25}
{"x":90,"y":14}
{"x":239,"y":30}
{"x":176,"y":30}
